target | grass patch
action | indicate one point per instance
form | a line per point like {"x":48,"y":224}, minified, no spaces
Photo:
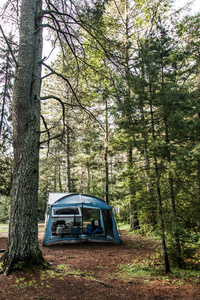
{"x":40,"y":227}
{"x":139,"y":270}
{"x":143,"y":268}
{"x":65,"y":270}
{"x":123,"y":226}
{"x":22,"y":284}
{"x":5,"y":226}
{"x":60,"y":272}
{"x":149,"y":269}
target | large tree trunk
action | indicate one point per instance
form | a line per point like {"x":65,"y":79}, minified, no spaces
{"x":23,"y":247}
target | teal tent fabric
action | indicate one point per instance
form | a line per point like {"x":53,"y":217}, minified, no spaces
{"x":110,"y":232}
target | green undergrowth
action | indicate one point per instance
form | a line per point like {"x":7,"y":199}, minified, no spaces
{"x":144,"y":230}
{"x":58,"y":273}
{"x":23,"y":283}
{"x":147,"y":271}
{"x":123,"y":226}
{"x":152,"y":266}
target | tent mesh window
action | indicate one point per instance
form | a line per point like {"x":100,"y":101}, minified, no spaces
{"x":90,"y":216}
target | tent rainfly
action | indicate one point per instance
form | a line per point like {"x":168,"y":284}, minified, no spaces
{"x":72,"y":218}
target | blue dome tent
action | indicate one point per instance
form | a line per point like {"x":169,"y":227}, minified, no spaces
{"x":73,"y":218}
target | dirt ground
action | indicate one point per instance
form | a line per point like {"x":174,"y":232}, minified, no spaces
{"x":91,"y":271}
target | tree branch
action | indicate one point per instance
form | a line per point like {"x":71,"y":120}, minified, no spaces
{"x":73,"y":92}
{"x":52,"y":138}
{"x":8,"y":44}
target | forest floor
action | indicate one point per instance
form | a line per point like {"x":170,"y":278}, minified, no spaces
{"x":97,"y":271}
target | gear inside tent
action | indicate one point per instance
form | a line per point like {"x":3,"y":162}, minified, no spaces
{"x":72,"y":218}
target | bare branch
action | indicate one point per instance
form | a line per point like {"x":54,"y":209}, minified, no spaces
{"x":73,"y":92}
{"x":59,"y":100}
{"x":47,"y":130}
{"x":54,"y":46}
{"x":87,"y":27}
{"x":8,"y":44}
{"x":53,"y":138}
{"x":46,"y":76}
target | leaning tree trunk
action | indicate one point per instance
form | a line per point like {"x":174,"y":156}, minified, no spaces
{"x":23,"y":246}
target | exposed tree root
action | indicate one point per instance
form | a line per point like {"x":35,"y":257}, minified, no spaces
{"x":11,"y":263}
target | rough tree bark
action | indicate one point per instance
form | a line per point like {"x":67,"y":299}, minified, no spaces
{"x":23,"y":246}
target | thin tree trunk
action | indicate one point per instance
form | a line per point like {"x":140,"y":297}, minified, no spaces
{"x":198,"y":159}
{"x":68,"y":167}
{"x":134,"y":222}
{"x":4,"y":95}
{"x":106,"y":152}
{"x":162,"y":227}
{"x":149,"y":188}
{"x":170,"y":178}
{"x":55,"y":177}
{"x":88,"y":171}
{"x":23,"y":247}
{"x":173,"y":205}
{"x":198,"y":183}
{"x":60,"y":179}
{"x":198,"y":194}
{"x":159,"y":198}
